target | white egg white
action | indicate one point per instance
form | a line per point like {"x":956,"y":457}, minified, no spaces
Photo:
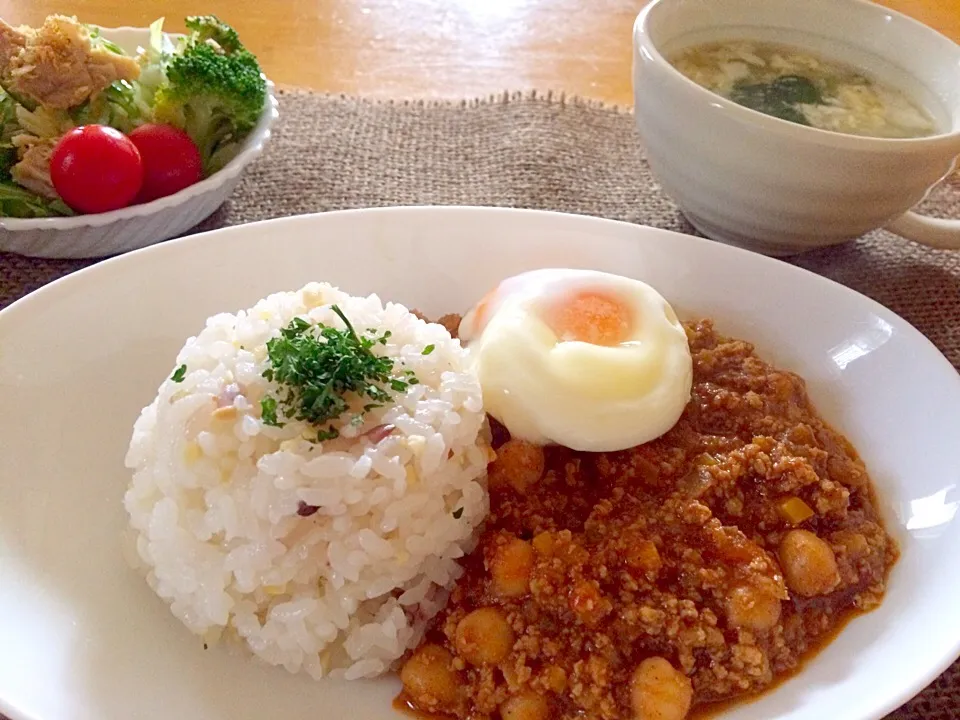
{"x":586,"y":397}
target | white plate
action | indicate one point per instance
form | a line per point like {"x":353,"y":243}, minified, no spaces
{"x":82,"y":637}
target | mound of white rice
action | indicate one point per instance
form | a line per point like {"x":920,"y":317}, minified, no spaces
{"x":215,"y":494}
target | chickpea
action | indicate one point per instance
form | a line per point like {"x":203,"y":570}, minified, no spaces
{"x":429,"y":679}
{"x":519,"y":465}
{"x":752,"y":608}
{"x":484,"y":637}
{"x":809,"y":565}
{"x":526,"y":706}
{"x":510,"y":568}
{"x":659,"y":692}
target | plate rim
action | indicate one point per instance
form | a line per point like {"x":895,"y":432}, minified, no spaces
{"x":705,"y":244}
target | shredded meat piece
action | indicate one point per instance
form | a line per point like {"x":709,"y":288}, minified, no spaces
{"x":57,"y":65}
{"x":12,"y":42}
{"x":33,"y":170}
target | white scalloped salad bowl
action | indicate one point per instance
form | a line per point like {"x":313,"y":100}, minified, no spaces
{"x":83,"y":636}
{"x":118,"y":231}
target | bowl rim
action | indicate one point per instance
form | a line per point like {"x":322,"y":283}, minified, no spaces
{"x":252,"y":147}
{"x":644,"y":45}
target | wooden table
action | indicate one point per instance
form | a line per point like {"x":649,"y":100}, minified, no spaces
{"x":427,"y":48}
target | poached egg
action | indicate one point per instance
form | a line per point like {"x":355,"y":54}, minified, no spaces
{"x":585,"y":359}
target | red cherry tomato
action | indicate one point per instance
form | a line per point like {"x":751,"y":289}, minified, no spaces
{"x":96,"y":168}
{"x":171,"y":160}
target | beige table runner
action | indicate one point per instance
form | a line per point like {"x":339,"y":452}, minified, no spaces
{"x":536,"y":152}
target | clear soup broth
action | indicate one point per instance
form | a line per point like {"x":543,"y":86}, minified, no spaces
{"x":796,"y":85}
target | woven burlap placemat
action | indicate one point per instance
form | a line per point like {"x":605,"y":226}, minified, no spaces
{"x":543,"y":152}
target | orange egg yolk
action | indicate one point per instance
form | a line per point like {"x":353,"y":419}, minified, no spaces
{"x":481,"y":311}
{"x":589,"y":317}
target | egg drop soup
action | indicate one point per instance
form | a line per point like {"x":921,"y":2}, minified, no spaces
{"x":657,"y":582}
{"x":804,"y":88}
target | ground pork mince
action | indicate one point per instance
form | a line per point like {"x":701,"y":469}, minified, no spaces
{"x":654,"y":582}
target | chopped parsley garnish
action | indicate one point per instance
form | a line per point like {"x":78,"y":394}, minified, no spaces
{"x":428,"y":349}
{"x":179,"y":374}
{"x":331,"y":433}
{"x":317,"y":368}
{"x":268,"y":411}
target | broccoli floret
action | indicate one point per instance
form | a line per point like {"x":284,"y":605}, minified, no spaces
{"x":209,"y":27}
{"x":214,"y":90}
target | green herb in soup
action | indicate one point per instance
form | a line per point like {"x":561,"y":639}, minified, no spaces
{"x":780,"y":98}
{"x":795,"y":85}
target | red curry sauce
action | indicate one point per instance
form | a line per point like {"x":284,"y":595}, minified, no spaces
{"x":656,"y":582}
